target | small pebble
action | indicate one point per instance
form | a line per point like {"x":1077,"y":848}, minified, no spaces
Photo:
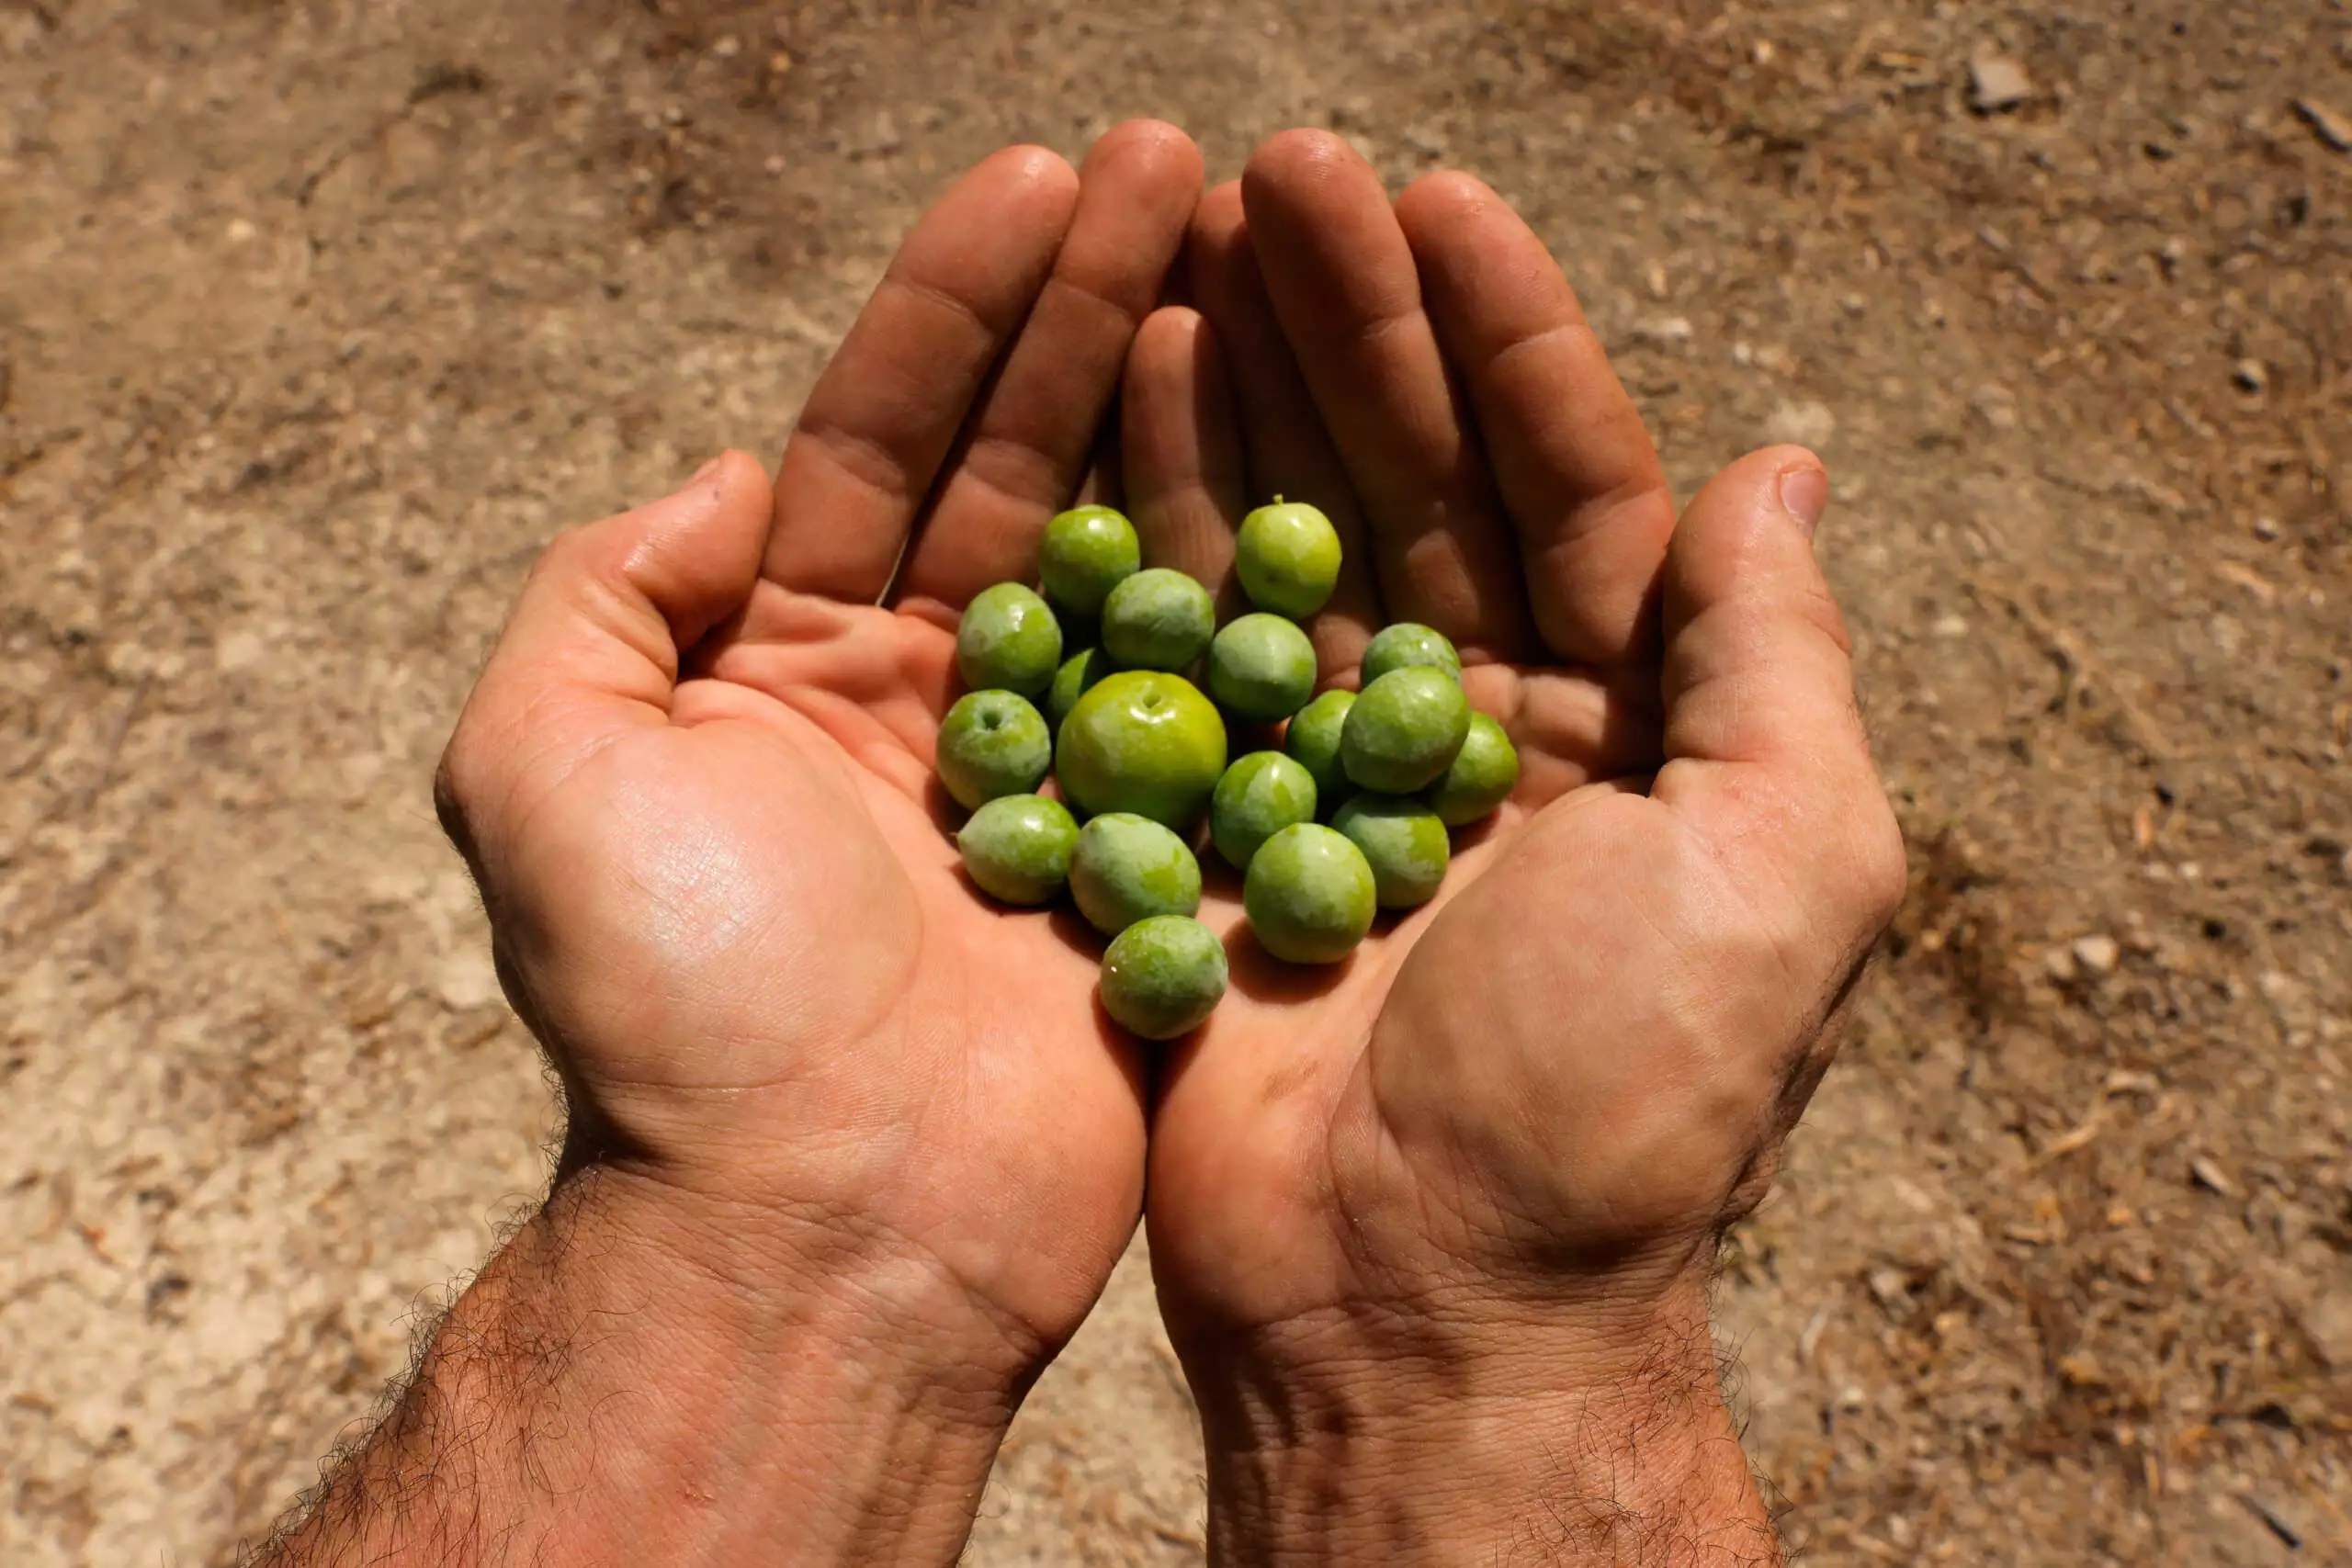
{"x":2097,"y":954}
{"x":1997,"y":84}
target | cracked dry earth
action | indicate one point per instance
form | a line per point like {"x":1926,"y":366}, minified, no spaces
{"x":317,"y":317}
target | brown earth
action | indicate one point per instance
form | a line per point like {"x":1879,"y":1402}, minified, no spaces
{"x":318,"y":316}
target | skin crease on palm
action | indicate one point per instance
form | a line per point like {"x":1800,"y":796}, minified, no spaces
{"x":733,"y":906}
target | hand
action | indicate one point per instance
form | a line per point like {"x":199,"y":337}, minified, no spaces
{"x":848,"y":1156}
{"x":724,"y":900}
{"x":1433,"y":1231}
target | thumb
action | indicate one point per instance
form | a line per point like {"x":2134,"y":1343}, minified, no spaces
{"x":1767,"y":757}
{"x":593,"y":647}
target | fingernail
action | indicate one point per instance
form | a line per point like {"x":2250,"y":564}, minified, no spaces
{"x":705,"y":471}
{"x":1806,"y":492}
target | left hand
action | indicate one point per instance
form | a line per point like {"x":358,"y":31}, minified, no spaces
{"x":1433,"y":1227}
{"x":849,"y":1157}
{"x":696,"y":782}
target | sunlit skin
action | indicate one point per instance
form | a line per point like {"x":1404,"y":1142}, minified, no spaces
{"x":1569,"y":1070}
{"x":732,"y":901}
{"x":1494,"y":1146}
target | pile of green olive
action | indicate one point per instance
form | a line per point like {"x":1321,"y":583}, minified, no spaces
{"x":1352,"y":816}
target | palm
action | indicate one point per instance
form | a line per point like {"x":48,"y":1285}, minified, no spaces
{"x":958,"y":417}
{"x":1249,"y":1187}
{"x":758,"y":891}
{"x":697,"y":785}
{"x":802,"y":743}
{"x":806,"y":748}
{"x":982,"y":1060}
{"x":696,"y":782}
{"x":1460,"y":1094}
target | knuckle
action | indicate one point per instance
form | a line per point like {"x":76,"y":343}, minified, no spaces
{"x":1886,"y":866}
{"x":564,"y":555}
{"x":457,"y":790}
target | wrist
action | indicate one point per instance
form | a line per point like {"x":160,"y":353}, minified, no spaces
{"x":644,"y":1376}
{"x":1431,"y":1436}
{"x":838,"y":1392}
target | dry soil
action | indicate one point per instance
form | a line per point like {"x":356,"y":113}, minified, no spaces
{"x":318,"y":316}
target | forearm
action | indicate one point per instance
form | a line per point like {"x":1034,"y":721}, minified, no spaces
{"x":1341,"y":1444}
{"x":628,"y":1384}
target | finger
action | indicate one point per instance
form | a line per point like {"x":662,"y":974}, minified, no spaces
{"x":1285,"y":449}
{"x":1765,"y":752}
{"x":1342,"y":283}
{"x":870,"y":440}
{"x":1027,"y":448}
{"x":1183,"y":453}
{"x":1579,"y":473}
{"x":593,"y":646}
{"x":1105,"y":483}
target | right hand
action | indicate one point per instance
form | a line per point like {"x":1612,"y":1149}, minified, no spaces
{"x":696,"y":785}
{"x":1433,"y":1228}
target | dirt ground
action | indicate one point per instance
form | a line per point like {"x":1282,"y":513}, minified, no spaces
{"x":318,"y":316}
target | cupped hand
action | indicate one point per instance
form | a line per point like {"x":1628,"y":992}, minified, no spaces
{"x":696,"y":785}
{"x":1491,"y":1155}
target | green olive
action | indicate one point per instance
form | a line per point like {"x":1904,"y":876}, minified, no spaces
{"x":1128,"y":868}
{"x":992,"y":744}
{"x":1405,"y":730}
{"x":1261,"y":667}
{"x":1141,"y":741}
{"x":1163,"y":976}
{"x":1288,"y":557}
{"x":1404,"y":843}
{"x":1077,"y":676}
{"x":1009,"y":641}
{"x":1157,"y":619}
{"x":1313,"y":740}
{"x":1407,"y":646}
{"x":1259,"y":797}
{"x":1309,"y":895}
{"x":1087,"y":551}
{"x":1484,"y":773}
{"x":1018,"y":847}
